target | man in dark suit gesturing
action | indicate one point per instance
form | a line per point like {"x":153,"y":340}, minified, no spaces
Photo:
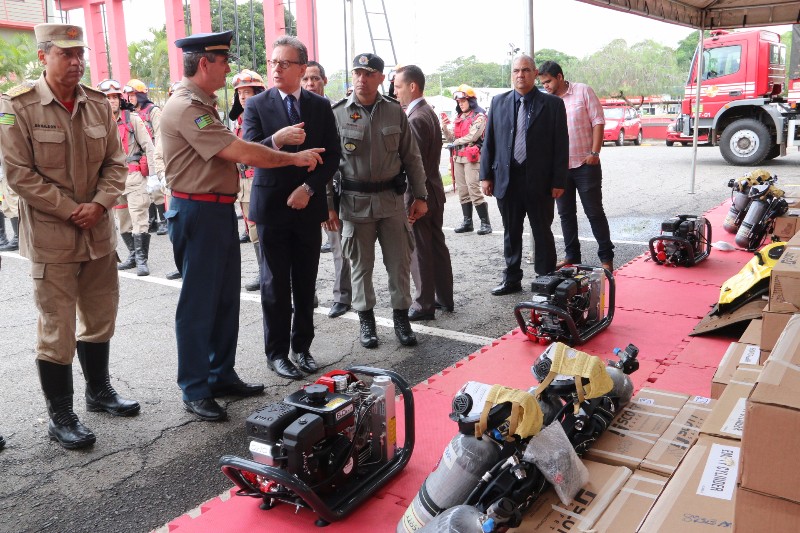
{"x":288,"y":206}
{"x":524,"y":164}
{"x":431,"y":268}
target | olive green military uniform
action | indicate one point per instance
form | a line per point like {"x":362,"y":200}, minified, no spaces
{"x":133,"y":204}
{"x":56,"y":160}
{"x":375,"y":147}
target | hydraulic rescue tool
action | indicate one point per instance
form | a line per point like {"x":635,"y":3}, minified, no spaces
{"x":512,"y":444}
{"x":328,"y":446}
{"x":685,"y":240}
{"x":569,"y":305}
{"x":751,"y":282}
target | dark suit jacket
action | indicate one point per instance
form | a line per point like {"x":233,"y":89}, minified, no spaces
{"x":264,"y":115}
{"x":428,"y":134}
{"x":547,"y":143}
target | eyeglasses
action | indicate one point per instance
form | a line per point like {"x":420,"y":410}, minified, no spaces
{"x":283,"y":64}
{"x":108,"y":85}
{"x":227,"y":58}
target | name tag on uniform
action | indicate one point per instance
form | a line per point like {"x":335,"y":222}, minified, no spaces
{"x":353,"y":131}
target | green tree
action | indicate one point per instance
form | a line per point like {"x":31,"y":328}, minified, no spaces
{"x":149,"y":61}
{"x":548,"y":54}
{"x":470,"y":71}
{"x":685,"y":51}
{"x":18,"y":61}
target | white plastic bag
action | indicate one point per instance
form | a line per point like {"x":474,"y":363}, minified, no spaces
{"x":153,"y":183}
{"x":554,"y":456}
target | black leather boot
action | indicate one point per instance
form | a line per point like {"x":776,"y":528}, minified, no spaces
{"x":2,"y":442}
{"x":13,"y":243}
{"x":161,"y":226}
{"x":64,"y":425}
{"x":402,"y":327}
{"x":3,"y":238}
{"x":369,"y":331}
{"x":152,"y":219}
{"x":483,"y":214}
{"x":255,"y":283}
{"x":130,"y":262}
{"x":466,"y":224}
{"x":141,"y":244}
{"x":100,"y":395}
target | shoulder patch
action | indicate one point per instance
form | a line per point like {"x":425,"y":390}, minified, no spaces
{"x":7,"y":119}
{"x":20,"y":89}
{"x":340,"y":102}
{"x":204,"y":120}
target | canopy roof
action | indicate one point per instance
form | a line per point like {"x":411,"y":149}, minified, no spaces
{"x":710,"y":13}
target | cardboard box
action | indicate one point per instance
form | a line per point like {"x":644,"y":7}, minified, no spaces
{"x":771,"y":328}
{"x":671,"y":447}
{"x":787,"y":226}
{"x":784,"y":283}
{"x":700,"y":495}
{"x":759,"y":512}
{"x":770,"y":462}
{"x":727,"y":417}
{"x":632,"y":504}
{"x":548,"y":514}
{"x":636,"y":428}
{"x":737,"y":354}
{"x":752,"y":335}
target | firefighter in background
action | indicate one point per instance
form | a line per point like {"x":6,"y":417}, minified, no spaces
{"x":160,"y":168}
{"x":150,"y":114}
{"x":246,"y":84}
{"x":131,"y":209}
{"x":9,"y":209}
{"x":466,"y":138}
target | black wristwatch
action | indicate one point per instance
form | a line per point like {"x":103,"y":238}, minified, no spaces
{"x":596,"y":154}
{"x":424,"y":197}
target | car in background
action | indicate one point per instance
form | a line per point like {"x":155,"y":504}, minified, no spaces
{"x":623,"y":123}
{"x":676,"y":136}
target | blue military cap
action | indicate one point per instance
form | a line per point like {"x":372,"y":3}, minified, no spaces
{"x":368,"y":62}
{"x":206,"y":42}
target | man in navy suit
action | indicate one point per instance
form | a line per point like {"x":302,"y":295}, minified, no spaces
{"x":288,"y":206}
{"x":524,"y":165}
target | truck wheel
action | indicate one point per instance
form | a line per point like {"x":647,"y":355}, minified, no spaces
{"x":745,"y":142}
{"x":670,"y":143}
{"x":638,"y":140}
{"x":774,"y":152}
{"x":621,"y":138}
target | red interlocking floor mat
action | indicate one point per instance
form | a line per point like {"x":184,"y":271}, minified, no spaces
{"x":656,"y":308}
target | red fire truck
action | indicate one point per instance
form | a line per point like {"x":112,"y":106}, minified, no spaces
{"x":741,"y":105}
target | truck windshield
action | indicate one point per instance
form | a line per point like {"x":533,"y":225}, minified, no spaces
{"x":615,"y":113}
{"x":721,"y":61}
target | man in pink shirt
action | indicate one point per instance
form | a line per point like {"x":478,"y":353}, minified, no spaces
{"x":585,"y":124}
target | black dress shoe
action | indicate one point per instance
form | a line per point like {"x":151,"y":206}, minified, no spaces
{"x":244,"y":237}
{"x":442,"y":307}
{"x":507,"y":287}
{"x":338,"y":309}
{"x":325,"y":248}
{"x":284,"y":368}
{"x":206,"y":409}
{"x":416,"y":314}
{"x":305,"y":362}
{"x":237,"y":388}
{"x":173,"y":275}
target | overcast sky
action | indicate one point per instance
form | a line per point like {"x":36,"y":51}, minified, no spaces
{"x":431,"y":32}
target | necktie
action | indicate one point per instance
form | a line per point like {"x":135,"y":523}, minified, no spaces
{"x":522,"y":127}
{"x":294,"y":116}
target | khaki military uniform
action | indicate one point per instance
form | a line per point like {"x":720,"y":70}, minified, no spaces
{"x":245,"y":189}
{"x":375,"y":147}
{"x":131,"y":210}
{"x":204,"y":234}
{"x":56,"y":160}
{"x":10,"y":200}
{"x":156,"y":196}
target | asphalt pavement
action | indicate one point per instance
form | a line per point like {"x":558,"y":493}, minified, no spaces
{"x":147,"y":470}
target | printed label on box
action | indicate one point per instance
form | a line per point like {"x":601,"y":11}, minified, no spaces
{"x":750,"y":355}
{"x":647,"y":401}
{"x":719,"y":474}
{"x":735,"y":422}
{"x":701,"y":400}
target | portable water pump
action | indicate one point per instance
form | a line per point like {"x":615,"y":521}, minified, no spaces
{"x":569,"y":305}
{"x":328,"y":446}
{"x":685,"y":240}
